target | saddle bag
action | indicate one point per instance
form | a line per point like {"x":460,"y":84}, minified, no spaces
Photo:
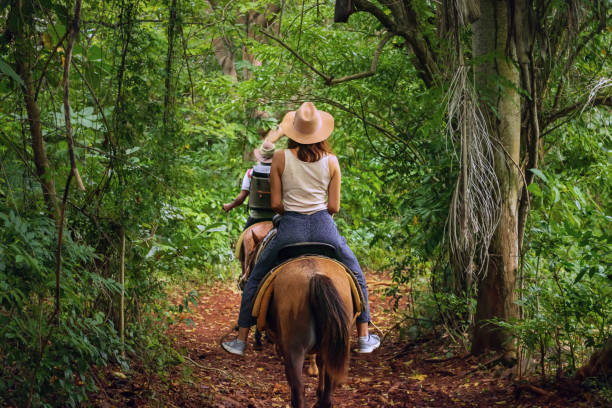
{"x":259,"y":193}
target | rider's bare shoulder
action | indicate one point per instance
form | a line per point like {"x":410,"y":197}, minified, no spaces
{"x":334,"y":166}
{"x":278,"y":161}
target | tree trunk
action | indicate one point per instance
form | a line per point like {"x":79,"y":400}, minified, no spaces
{"x":223,"y":50}
{"x":22,"y":58}
{"x":169,"y":95}
{"x":496,"y":292}
{"x":600,"y":363}
{"x":225,"y":57}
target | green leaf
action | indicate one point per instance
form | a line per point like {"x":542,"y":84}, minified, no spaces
{"x":534,"y":189}
{"x":7,"y":70}
{"x":557,"y":195}
{"x":540,"y":175}
{"x":217,"y":227}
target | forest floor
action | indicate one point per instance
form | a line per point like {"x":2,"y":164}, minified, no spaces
{"x":401,"y":373}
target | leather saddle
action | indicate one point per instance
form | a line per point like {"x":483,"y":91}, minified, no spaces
{"x":306,"y":248}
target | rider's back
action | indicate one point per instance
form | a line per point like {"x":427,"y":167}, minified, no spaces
{"x":305,"y":184}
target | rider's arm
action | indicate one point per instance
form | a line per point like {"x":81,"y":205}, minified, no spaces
{"x":237,"y":201}
{"x":333,"y":191}
{"x":274,"y":134}
{"x":276,"y":187}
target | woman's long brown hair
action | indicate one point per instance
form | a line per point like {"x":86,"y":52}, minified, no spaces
{"x":310,"y":153}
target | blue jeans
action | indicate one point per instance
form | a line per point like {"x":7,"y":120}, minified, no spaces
{"x":295,"y":227}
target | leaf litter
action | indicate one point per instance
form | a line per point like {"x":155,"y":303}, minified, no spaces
{"x":429,"y":373}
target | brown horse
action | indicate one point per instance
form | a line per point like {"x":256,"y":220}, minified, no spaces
{"x":251,"y":239}
{"x":310,"y":311}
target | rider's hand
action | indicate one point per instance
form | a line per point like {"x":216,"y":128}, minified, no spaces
{"x":227,"y":207}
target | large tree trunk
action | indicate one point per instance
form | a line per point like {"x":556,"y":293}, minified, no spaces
{"x":600,"y":363}
{"x":23,"y":60}
{"x":252,"y":21}
{"x":225,"y":57}
{"x":496,"y":291}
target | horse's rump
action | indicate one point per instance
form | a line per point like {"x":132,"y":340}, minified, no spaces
{"x":311,"y":309}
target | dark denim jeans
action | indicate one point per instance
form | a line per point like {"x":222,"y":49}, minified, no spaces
{"x":295,"y":227}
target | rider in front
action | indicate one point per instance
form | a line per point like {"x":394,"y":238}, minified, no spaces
{"x":264,"y":156}
{"x":305,"y":189}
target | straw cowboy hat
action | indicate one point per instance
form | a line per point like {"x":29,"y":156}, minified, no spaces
{"x":265,"y":153}
{"x":308,"y":125}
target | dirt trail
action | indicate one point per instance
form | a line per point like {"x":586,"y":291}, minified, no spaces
{"x":399,"y":374}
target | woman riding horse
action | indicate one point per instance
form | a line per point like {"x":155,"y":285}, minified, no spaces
{"x":305,"y":189}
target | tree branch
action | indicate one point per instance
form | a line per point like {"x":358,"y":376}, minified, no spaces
{"x":373,"y":67}
{"x":330,"y":80}
{"x":117,"y":25}
{"x":44,"y":71}
{"x":74,"y":31}
{"x":326,"y":77}
{"x":392,"y":136}
{"x":406,"y":27}
{"x":97,"y":102}
{"x":600,"y":27}
{"x":184,"y":41}
{"x":384,"y":19}
{"x":602,"y":100}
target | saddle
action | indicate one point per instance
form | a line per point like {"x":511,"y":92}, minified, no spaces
{"x":291,"y":253}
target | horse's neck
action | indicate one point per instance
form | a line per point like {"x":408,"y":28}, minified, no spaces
{"x":252,"y":243}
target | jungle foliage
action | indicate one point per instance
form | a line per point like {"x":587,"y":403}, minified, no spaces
{"x":161,"y":138}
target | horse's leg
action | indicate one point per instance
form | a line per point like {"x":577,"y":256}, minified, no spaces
{"x":325,"y":390}
{"x":258,"y":345}
{"x":312,"y":370}
{"x":325,"y":387}
{"x":294,"y":363}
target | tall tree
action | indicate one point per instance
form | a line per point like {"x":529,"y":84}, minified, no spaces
{"x":497,"y":289}
{"x":524,"y":54}
{"x":20,"y":22}
{"x":252,"y":21}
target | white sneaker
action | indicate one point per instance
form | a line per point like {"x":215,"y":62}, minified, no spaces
{"x":235,"y":346}
{"x":368,"y":344}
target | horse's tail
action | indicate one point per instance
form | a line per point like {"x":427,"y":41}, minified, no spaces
{"x":332,"y":325}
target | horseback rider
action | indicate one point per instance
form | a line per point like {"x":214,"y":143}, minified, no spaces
{"x":305,"y":189}
{"x":257,"y":213}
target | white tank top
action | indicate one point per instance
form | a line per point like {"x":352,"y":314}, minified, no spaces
{"x":305,"y":184}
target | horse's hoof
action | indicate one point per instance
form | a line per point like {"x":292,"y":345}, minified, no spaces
{"x":312,"y":371}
